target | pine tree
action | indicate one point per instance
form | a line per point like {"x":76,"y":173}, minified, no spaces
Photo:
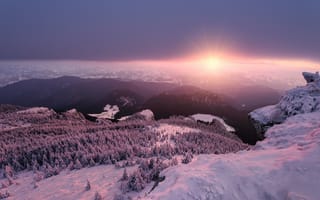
{"x":187,"y":158}
{"x":124,"y":175}
{"x":97,"y":196}
{"x":88,"y":186}
{"x":77,"y":165}
{"x":136,"y":182}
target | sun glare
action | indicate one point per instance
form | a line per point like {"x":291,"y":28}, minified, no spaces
{"x":211,"y":63}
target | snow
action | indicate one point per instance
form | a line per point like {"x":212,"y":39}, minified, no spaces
{"x":147,"y":114}
{"x":169,"y":129}
{"x":166,"y":130}
{"x":109,"y":112}
{"x":303,"y":99}
{"x":72,"y":111}
{"x":35,"y":110}
{"x":267,"y":114}
{"x":209,"y":118}
{"x":69,"y":185}
{"x":5,"y":126}
{"x":285,"y":165}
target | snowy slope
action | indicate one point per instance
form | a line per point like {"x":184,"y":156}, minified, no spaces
{"x":303,"y":99}
{"x":69,"y":185}
{"x":285,"y":165}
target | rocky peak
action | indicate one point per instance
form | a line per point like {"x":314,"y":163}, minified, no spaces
{"x":303,"y":99}
{"x":311,"y":77}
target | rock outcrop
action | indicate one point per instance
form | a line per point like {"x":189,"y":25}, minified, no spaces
{"x":304,"y":99}
{"x":311,"y":77}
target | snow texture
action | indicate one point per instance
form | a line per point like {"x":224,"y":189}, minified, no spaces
{"x":285,"y":165}
{"x":36,"y":110}
{"x":109,"y":112}
{"x":69,"y":185}
{"x":148,"y":114}
{"x":209,"y":118}
{"x":168,"y":130}
{"x":145,"y":114}
{"x":304,"y":99}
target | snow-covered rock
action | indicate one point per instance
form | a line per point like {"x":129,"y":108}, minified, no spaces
{"x":304,"y":99}
{"x":210,"y":118}
{"x":144,"y":115}
{"x":311,"y":77}
{"x":74,"y":114}
{"x":109,"y":112}
{"x":148,"y":114}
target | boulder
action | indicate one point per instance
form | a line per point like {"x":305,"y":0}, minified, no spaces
{"x":311,"y":77}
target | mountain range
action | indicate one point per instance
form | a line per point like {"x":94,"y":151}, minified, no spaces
{"x":164,"y":99}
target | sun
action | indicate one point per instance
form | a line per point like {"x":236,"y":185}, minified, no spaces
{"x":211,"y":63}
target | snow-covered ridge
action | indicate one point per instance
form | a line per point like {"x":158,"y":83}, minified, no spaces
{"x":126,"y":143}
{"x":35,"y":110}
{"x":285,"y":165}
{"x":303,"y":99}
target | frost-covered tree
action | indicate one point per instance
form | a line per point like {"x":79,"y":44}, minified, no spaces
{"x":4,"y":195}
{"x":187,"y":158}
{"x":121,"y":197}
{"x":77,"y":165}
{"x":125,"y":176}
{"x":88,"y":186}
{"x":9,"y":173}
{"x":174,"y":161}
{"x":136,"y":182}
{"x":53,"y":142}
{"x":97,"y":196}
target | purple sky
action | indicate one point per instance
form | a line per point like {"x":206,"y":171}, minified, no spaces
{"x":146,"y":29}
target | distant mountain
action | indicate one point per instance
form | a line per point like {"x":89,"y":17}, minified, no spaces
{"x":164,"y":99}
{"x":254,"y":96}
{"x":86,"y":95}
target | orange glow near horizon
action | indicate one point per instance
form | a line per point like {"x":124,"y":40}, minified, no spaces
{"x":215,"y":64}
{"x":209,"y":62}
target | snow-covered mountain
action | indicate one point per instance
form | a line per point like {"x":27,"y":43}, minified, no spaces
{"x":45,"y":154}
{"x":285,"y":165}
{"x":174,"y":158}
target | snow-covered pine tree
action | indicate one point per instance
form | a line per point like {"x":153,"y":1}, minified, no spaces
{"x":97,"y":196}
{"x":88,"y":186}
{"x":124,"y":175}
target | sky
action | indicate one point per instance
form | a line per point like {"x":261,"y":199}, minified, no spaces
{"x":121,"y":30}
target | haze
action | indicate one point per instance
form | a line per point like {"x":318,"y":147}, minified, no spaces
{"x":268,"y":41}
